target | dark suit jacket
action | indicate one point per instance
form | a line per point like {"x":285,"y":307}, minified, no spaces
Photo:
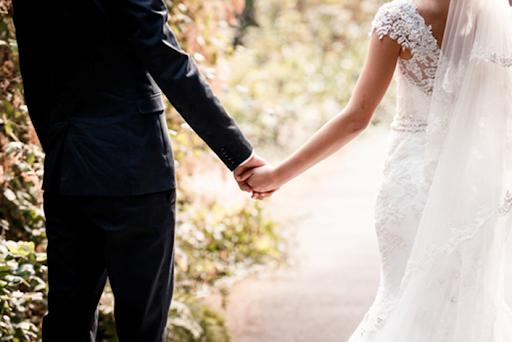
{"x":93,"y":73}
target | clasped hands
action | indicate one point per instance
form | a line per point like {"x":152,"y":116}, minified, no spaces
{"x":258,"y":177}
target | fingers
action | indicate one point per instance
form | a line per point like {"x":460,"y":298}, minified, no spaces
{"x":257,"y":196}
{"x":262,"y":195}
{"x":238,"y":171}
{"x":244,"y":187}
{"x":243,"y":177}
{"x":255,"y":161}
{"x":243,"y":172}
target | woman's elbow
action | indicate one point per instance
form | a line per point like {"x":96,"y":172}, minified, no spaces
{"x":356,"y":118}
{"x":357,"y":126}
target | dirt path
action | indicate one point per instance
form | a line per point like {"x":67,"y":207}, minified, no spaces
{"x":325,"y":295}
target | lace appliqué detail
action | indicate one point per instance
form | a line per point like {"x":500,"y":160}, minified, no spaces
{"x":409,"y":124}
{"x":401,"y":21}
{"x":378,"y":313}
{"x":489,"y":56}
{"x":506,"y":206}
{"x":459,"y":236}
{"x":389,"y":243}
{"x":400,"y":201}
{"x":445,"y":97}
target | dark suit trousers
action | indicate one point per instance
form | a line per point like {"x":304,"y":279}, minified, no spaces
{"x":128,"y":238}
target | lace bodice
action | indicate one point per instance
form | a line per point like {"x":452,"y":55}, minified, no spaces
{"x":415,"y":77}
{"x":403,"y":192}
{"x":437,"y":267}
{"x":401,"y":21}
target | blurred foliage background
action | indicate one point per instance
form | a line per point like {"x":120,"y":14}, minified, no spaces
{"x":281,"y":67}
{"x":296,"y":67}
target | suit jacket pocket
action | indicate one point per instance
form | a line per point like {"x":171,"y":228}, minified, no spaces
{"x":151,"y":104}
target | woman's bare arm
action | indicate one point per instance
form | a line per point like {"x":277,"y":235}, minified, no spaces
{"x":370,"y":89}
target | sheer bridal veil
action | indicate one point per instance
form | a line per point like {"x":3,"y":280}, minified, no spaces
{"x":458,"y":283}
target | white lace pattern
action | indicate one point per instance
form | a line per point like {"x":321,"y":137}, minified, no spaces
{"x":403,"y":190}
{"x":401,"y":21}
{"x":490,"y":56}
{"x":411,"y":159}
{"x":443,"y":213}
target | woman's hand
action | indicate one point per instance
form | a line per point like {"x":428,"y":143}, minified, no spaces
{"x":341,"y":129}
{"x":261,"y":179}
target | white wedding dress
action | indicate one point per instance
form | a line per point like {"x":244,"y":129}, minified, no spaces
{"x":403,"y":190}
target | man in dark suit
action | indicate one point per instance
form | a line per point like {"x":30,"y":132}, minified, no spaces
{"x":94,"y":97}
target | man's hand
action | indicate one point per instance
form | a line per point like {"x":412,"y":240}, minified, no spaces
{"x":254,"y":162}
{"x":262,"y":179}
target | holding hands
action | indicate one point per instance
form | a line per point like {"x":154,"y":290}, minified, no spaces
{"x":262,"y":180}
{"x":258,"y":177}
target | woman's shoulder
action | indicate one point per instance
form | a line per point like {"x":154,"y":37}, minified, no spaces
{"x":395,"y":18}
{"x":397,"y":15}
{"x":397,"y":8}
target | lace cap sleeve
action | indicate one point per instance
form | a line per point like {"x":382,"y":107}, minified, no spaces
{"x":395,"y":20}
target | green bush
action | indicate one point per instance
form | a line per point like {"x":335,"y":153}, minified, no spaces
{"x":297,"y":67}
{"x":23,"y":288}
{"x":22,"y":272}
{"x":218,"y":245}
{"x":303,"y":57}
{"x":22,"y":291}
{"x":191,"y":321}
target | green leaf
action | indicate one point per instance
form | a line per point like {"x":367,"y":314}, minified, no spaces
{"x":5,"y":268}
{"x":31,"y":156}
{"x":10,"y":195}
{"x":40,"y":257}
{"x":15,"y":280}
{"x":8,"y":108}
{"x":25,"y":248}
{"x":3,"y":28}
{"x":14,"y":46}
{"x":24,"y":167}
{"x":4,"y":224}
{"x":12,"y":147}
{"x":8,"y":128}
{"x":25,"y":271}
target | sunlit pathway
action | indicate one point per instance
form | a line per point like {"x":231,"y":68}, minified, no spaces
{"x":324,"y":297}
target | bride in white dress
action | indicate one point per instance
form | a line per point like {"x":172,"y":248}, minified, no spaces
{"x":442,"y":209}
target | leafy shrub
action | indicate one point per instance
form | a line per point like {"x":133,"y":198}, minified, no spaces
{"x":22,"y":272}
{"x":297,"y":67}
{"x":218,"y":246}
{"x":300,"y":60}
{"x":22,"y":290}
{"x":191,"y":321}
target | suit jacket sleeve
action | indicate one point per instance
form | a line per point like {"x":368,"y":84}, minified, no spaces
{"x":176,"y":73}
{"x":36,"y":72}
